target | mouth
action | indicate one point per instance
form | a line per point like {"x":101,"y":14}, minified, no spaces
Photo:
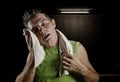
{"x":46,"y":38}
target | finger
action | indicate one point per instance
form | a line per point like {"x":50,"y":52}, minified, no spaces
{"x":68,"y":56}
{"x":66,"y":67}
{"x":64,"y":53}
{"x":66,"y":59}
{"x":65,"y":63}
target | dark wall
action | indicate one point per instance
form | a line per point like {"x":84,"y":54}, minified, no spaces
{"x":83,"y":28}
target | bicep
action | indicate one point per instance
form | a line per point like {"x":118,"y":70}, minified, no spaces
{"x":83,"y":56}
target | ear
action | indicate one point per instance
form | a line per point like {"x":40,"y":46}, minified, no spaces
{"x":53,"y":22}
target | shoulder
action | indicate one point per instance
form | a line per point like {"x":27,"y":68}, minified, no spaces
{"x":78,"y":48}
{"x":75,"y":45}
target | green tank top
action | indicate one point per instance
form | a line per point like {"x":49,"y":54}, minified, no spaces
{"x":48,"y":70}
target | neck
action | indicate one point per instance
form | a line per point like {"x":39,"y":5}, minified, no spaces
{"x":53,"y":42}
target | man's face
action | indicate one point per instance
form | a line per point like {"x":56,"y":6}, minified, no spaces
{"x":44,"y":29}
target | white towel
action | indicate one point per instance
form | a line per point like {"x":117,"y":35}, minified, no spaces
{"x":64,"y":45}
{"x":39,"y":54}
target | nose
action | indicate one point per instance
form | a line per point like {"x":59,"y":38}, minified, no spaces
{"x":42,"y":30}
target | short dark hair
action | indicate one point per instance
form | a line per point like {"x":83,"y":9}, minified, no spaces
{"x":30,"y":14}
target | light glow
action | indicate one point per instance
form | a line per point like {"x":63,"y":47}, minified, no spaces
{"x":76,"y":10}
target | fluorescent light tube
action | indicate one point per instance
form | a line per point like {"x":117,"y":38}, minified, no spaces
{"x":75,"y":12}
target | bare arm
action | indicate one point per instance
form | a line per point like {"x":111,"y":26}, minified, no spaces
{"x":27,"y":73}
{"x":80,"y":64}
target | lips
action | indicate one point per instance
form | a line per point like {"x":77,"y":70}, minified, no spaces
{"x":46,"y":37}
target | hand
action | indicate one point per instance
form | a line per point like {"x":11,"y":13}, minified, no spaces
{"x":80,"y":64}
{"x":71,"y":63}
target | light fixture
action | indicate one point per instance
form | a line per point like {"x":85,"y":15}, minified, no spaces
{"x":76,"y":10}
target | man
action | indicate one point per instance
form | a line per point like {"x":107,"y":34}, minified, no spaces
{"x":56,"y":64}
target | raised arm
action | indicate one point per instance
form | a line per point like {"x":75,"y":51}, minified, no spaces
{"x":80,"y":64}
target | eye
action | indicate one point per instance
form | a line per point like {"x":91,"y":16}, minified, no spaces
{"x":44,"y":22}
{"x":35,"y":29}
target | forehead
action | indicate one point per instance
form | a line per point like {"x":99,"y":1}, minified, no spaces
{"x":37,"y":18}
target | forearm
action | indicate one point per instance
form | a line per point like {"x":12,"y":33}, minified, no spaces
{"x":28,"y":72}
{"x":26,"y":75}
{"x":89,"y":75}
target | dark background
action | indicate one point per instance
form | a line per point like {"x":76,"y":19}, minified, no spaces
{"x":103,"y":50}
